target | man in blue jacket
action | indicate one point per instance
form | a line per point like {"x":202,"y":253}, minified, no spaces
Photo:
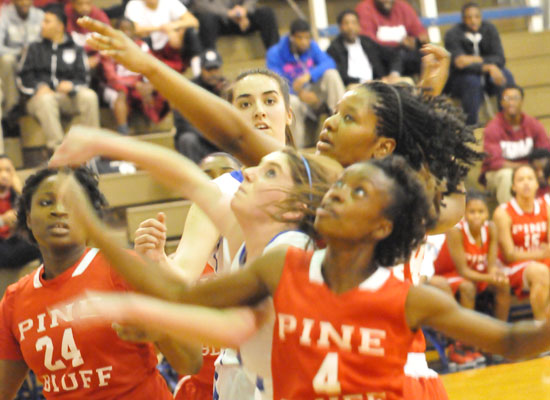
{"x":55,"y":74}
{"x":314,"y":81}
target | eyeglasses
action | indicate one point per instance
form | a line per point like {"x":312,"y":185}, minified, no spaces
{"x":511,"y":98}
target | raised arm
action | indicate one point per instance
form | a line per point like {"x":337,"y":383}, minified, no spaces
{"x":165,"y":165}
{"x":213,"y":116}
{"x":431,"y":307}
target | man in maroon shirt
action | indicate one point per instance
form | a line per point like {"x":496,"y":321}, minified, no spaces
{"x":84,"y":8}
{"x":508,"y":140}
{"x":394,"y":23}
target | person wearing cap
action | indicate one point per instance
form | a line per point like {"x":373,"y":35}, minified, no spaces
{"x":54,"y":74}
{"x":126,"y":91}
{"x":189,"y":141}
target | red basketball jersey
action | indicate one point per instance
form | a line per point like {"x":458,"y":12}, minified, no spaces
{"x":476,"y":255}
{"x":330,"y":346}
{"x":529,"y":230}
{"x":75,"y":362}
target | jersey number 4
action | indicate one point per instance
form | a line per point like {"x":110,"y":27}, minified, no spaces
{"x":326,"y":379}
{"x":69,"y":351}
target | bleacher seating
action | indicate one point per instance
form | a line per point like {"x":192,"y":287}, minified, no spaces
{"x":176,"y":212}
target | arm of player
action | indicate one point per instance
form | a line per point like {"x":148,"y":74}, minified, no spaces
{"x":214,"y":117}
{"x":166,"y":166}
{"x":12,"y":374}
{"x":428,"y":306}
{"x":451,"y":211}
{"x":183,"y":356}
{"x":197,"y":324}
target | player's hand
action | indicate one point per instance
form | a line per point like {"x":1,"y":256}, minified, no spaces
{"x":150,"y":238}
{"x":133,"y":333}
{"x":435,"y":68}
{"x":65,"y":87}
{"x":79,"y":146}
{"x":115,"y":44}
{"x":499,"y":278}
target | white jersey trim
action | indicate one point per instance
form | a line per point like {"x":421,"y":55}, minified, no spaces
{"x":372,"y":283}
{"x":519,"y":211}
{"x":79,"y":270}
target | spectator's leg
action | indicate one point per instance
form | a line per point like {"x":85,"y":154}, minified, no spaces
{"x":121,"y":111}
{"x":537,"y":278}
{"x":209,"y":28}
{"x":331,"y":88}
{"x":468,"y":89}
{"x":8,"y":65}
{"x":264,"y":20}
{"x":298,"y":127}
{"x":467,"y":290}
{"x":87,"y":105}
{"x":412,"y":61}
{"x":502,"y":302}
{"x":46,"y":109}
{"x":500,"y":183}
{"x":191,"y":50}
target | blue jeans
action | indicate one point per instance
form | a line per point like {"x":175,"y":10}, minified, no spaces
{"x":469,"y":87}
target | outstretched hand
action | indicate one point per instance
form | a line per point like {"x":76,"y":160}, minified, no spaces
{"x":435,"y":68}
{"x":77,"y":147}
{"x":115,"y":44}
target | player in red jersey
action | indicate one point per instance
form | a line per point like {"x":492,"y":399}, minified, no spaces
{"x":71,"y":362}
{"x":330,"y":338}
{"x":522,"y":225}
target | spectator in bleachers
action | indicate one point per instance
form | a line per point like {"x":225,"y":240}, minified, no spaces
{"x":539,"y":159}
{"x":189,"y":141}
{"x":20,"y":25}
{"x":126,"y":90}
{"x":15,"y":252}
{"x":508,"y":140}
{"x":394,"y":24}
{"x":314,"y":81}
{"x":359,"y":58}
{"x":84,"y":8}
{"x":171,"y":30}
{"x":221,"y":17}
{"x":54,"y":73}
{"x":219,"y":163}
{"x":477,"y":64}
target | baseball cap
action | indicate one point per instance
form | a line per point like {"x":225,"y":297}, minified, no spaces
{"x":211,"y":59}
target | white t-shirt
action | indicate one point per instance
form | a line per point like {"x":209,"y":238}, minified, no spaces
{"x":358,"y":64}
{"x":166,"y":11}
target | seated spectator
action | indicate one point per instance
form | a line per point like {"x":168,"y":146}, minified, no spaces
{"x":477,"y":61}
{"x":19,"y":25}
{"x":539,"y":159}
{"x":15,"y":252}
{"x":358,"y":58}
{"x":314,"y":81}
{"x":171,"y":30}
{"x":84,"y":8}
{"x":394,"y":24}
{"x":508,"y":140}
{"x":126,"y":90}
{"x":522,"y":225}
{"x":189,"y":141}
{"x":222,"y":17}
{"x":467,"y":265}
{"x":54,"y":73}
{"x":219,"y":163}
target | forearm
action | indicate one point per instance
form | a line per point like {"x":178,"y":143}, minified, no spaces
{"x":515,"y":255}
{"x":214,"y":117}
{"x":144,"y":31}
{"x":472,"y":275}
{"x":185,"y":358}
{"x":201,"y":325}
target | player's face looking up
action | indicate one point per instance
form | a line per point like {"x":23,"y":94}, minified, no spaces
{"x":362,"y":193}
{"x":349,"y":135}
{"x":49,"y":221}
{"x":264,"y":185}
{"x":260,"y":99}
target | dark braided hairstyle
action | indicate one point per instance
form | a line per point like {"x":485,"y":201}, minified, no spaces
{"x":409,"y":212}
{"x":84,"y":176}
{"x":428,"y":131}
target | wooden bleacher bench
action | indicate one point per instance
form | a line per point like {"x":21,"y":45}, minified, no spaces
{"x":537,"y":101}
{"x":165,"y":139}
{"x":522,"y":45}
{"x":531,"y":71}
{"x":133,"y":189}
{"x":176,"y":212}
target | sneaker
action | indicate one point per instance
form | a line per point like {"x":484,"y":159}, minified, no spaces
{"x":479,"y":358}
{"x":459,"y":356}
